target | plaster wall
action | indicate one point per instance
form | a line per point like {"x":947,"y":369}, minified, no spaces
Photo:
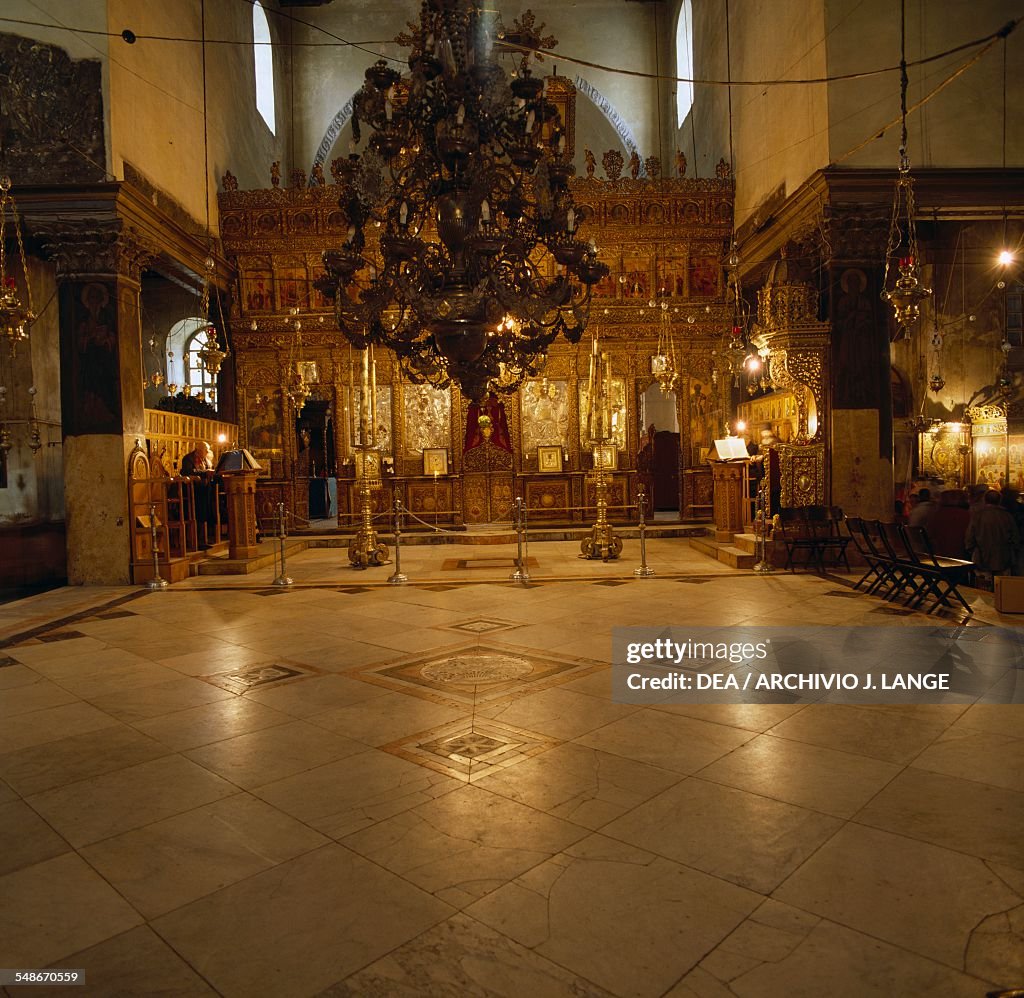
{"x":960,"y":127}
{"x":632,"y":36}
{"x":155,"y":113}
{"x":779,"y":132}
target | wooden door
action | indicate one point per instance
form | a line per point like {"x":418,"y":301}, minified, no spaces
{"x":666,"y":470}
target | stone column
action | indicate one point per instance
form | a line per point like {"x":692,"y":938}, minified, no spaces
{"x":862,"y":430}
{"x":98,"y":269}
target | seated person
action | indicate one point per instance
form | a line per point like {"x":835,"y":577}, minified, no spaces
{"x":198,"y":464}
{"x":197,"y":460}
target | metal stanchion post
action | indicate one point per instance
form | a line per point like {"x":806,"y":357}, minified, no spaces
{"x":520,"y":574}
{"x":763,"y":565}
{"x":644,"y":571}
{"x":396,"y":578}
{"x":156,"y":582}
{"x":282,"y":579}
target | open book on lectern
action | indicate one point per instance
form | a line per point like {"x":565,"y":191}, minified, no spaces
{"x":731,"y":449}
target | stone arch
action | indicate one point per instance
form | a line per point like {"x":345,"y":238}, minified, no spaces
{"x":611,"y":114}
{"x":602,"y":103}
{"x":338,"y":122}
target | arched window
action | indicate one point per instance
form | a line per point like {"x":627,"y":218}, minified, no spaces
{"x":684,"y":60}
{"x":263,"y":53}
{"x":185,"y":339}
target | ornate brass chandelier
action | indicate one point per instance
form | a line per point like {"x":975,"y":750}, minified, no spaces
{"x":665,"y":364}
{"x":467,"y":177}
{"x":907,"y":292}
{"x":15,"y":318}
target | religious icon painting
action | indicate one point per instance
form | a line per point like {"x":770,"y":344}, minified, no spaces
{"x":435,"y":461}
{"x":670,"y":276}
{"x":606,"y":456}
{"x":704,"y":276}
{"x":257,"y":290}
{"x":549,"y":459}
{"x":636,"y":271}
{"x":292,"y":291}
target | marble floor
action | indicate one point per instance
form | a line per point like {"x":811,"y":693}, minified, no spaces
{"x":349,"y":788}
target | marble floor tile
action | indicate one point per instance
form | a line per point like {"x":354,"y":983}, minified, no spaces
{"x":356,"y":792}
{"x":464,"y":844}
{"x":559,"y":713}
{"x":580,"y":784}
{"x":102,"y":678}
{"x":462,"y":957}
{"x":997,"y":718}
{"x":301,"y":926}
{"x":625,"y":919}
{"x":305,"y":697}
{"x":158,"y":699}
{"x":821,"y":779}
{"x":259,"y":757}
{"x":668,"y":741}
{"x":25,"y":839}
{"x":40,"y":726}
{"x":175,"y":861}
{"x":871,"y":880}
{"x":53,"y":764}
{"x":975,"y":818}
{"x":752,"y":716}
{"x":31,"y":654}
{"x":13,"y":676}
{"x":741,"y":837}
{"x":211,"y":722}
{"x":210,"y":661}
{"x":386,"y":718}
{"x":878,"y":735}
{"x":56,"y":908}
{"x":829,"y":960}
{"x":137,"y":962}
{"x":102,"y":806}
{"x":983,"y":756}
{"x":38,"y":694}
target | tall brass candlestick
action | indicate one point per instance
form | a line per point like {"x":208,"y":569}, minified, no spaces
{"x":364,"y":402}
{"x":351,"y":403}
{"x":373,"y":400}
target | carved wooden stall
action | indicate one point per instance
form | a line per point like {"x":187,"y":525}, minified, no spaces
{"x":664,"y":240}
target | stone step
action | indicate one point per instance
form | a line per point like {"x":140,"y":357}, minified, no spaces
{"x":728,"y":554}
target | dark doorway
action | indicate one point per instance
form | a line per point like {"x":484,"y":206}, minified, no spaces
{"x":666,"y":470}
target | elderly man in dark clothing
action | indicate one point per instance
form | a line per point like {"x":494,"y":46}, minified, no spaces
{"x":947,"y":524}
{"x":992,"y":537}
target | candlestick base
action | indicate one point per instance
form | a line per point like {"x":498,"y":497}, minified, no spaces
{"x":365,"y":549}
{"x":603,"y":542}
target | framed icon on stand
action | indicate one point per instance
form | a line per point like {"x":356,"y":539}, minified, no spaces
{"x":606,"y":456}
{"x":435,"y":461}
{"x":549,"y":459}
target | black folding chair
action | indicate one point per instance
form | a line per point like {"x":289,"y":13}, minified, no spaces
{"x":795,"y":535}
{"x":826,"y":530}
{"x":880,"y":565}
{"x":912,"y":576}
{"x":943,"y":575}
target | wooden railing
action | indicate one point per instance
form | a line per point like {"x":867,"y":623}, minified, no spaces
{"x":172,"y":435}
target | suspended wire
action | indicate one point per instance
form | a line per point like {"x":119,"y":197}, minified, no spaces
{"x":131,"y":37}
{"x":728,"y":73}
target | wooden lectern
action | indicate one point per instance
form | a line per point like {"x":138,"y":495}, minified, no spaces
{"x":239,"y":469}
{"x":729,"y":478}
